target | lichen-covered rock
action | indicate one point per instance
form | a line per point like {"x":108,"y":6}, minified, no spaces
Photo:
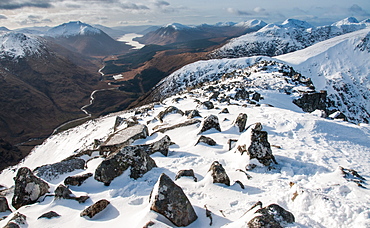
{"x":206,"y":140}
{"x":260,"y":148}
{"x":77,"y":180}
{"x":169,"y":110}
{"x":271,"y":216}
{"x":134,"y":157}
{"x":184,"y":124}
{"x":94,"y":209}
{"x":186,"y":173}
{"x":28,"y":188}
{"x":17,"y":221}
{"x":310,"y":102}
{"x":4,"y":206}
{"x":207,"y":104}
{"x":192,"y":113}
{"x":219,"y":174}
{"x":52,"y":171}
{"x":241,"y":121}
{"x":168,"y":199}
{"x":209,"y":123}
{"x":49,"y":215}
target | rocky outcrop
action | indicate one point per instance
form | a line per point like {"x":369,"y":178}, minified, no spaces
{"x":134,"y":157}
{"x":77,"y":180}
{"x":63,"y":192}
{"x":192,"y":113}
{"x":206,"y":140}
{"x":169,"y":200}
{"x":184,"y":124}
{"x":94,"y":209}
{"x":310,"y":102}
{"x":241,"y":121}
{"x":256,"y":96}
{"x":28,"y":188}
{"x":161,"y":146}
{"x":208,"y":105}
{"x":53,"y":171}
{"x":241,"y":94}
{"x":18,"y":220}
{"x":209,"y":123}
{"x":186,"y":173}
{"x":169,"y":110}
{"x":129,"y":122}
{"x":271,"y":216}
{"x":123,"y":138}
{"x":219,"y":174}
{"x":49,"y":215}
{"x":4,"y":206}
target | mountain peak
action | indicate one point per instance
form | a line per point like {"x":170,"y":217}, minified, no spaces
{"x":177,"y":26}
{"x":252,"y":23}
{"x":346,"y":21}
{"x":73,"y":28}
{"x":18,"y":45}
{"x":296,"y":24}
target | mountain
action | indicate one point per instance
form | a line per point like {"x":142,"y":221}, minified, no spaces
{"x":176,"y":33}
{"x":227,"y":147}
{"x":42,"y":86}
{"x":85,"y":39}
{"x":278,"y":39}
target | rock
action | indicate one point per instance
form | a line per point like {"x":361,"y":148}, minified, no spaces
{"x":240,"y":184}
{"x":169,"y":110}
{"x":209,"y":123}
{"x":214,"y":95}
{"x":231,"y":143}
{"x":169,"y":200}
{"x":63,"y":192}
{"x":77,"y":180}
{"x":241,"y":121}
{"x":28,"y":188}
{"x":241,"y":94}
{"x":52,"y":171}
{"x":186,"y":123}
{"x":4,"y":206}
{"x":258,"y":126}
{"x":192,"y":113}
{"x":134,"y":157}
{"x":272,"y":216}
{"x":338,"y":115}
{"x":219,"y":174}
{"x":352,"y":175}
{"x":17,"y":221}
{"x":160,"y":146}
{"x":206,"y":140}
{"x":225,"y":110}
{"x":207,"y":104}
{"x":309,"y":102}
{"x":256,"y":96}
{"x":94,"y":209}
{"x":186,"y":173}
{"x":119,"y":121}
{"x":49,"y":215}
{"x":129,"y":122}
{"x":123,"y":138}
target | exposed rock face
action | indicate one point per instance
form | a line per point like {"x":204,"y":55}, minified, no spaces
{"x":77,"y":180}
{"x":129,"y":122}
{"x":260,"y":148}
{"x":52,"y":171}
{"x":17,"y":221}
{"x":208,"y":104}
{"x":123,"y":138}
{"x":49,"y":215}
{"x":160,"y":146}
{"x":169,"y":200}
{"x":186,"y":123}
{"x":219,"y":174}
{"x":114,"y":165}
{"x":28,"y":188}
{"x":192,"y":113}
{"x":209,"y":123}
{"x":4,"y":204}
{"x":169,"y":110}
{"x":206,"y":140}
{"x":310,"y":102}
{"x":94,"y":209}
{"x":62,"y":192}
{"x":241,"y":121}
{"x":272,"y":216}
{"x":186,"y":173}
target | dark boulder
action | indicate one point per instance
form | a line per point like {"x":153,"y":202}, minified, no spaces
{"x":18,"y":220}
{"x":207,"y":104}
{"x":53,"y":171}
{"x":4,"y":206}
{"x":241,"y":121}
{"x":206,"y":140}
{"x":127,"y":122}
{"x":28,"y":188}
{"x":161,"y":146}
{"x":271,"y":216}
{"x":186,"y":173}
{"x":209,"y":123}
{"x":134,"y":157}
{"x":310,"y":102}
{"x":225,"y":110}
{"x":169,"y":110}
{"x":63,"y":192}
{"x":94,"y":209}
{"x":241,"y":94}
{"x":192,"y":113}
{"x":219,"y":174}
{"x":169,"y":200}
{"x":214,"y":95}
{"x":77,"y":180}
{"x":256,"y":96}
{"x":49,"y":215}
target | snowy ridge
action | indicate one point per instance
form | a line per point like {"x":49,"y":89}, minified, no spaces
{"x":73,"y":28}
{"x":18,"y":45}
{"x":291,"y":35}
{"x":177,"y":26}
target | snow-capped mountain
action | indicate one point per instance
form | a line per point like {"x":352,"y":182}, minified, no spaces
{"x":18,"y":45}
{"x":73,"y":28}
{"x":278,"y":39}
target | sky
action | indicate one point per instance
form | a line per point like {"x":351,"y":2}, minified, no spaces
{"x":29,"y":13}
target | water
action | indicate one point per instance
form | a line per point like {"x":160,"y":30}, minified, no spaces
{"x":128,"y":38}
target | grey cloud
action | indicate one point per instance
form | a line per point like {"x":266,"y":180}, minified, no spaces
{"x":11,"y":4}
{"x":160,"y":3}
{"x":34,"y":19}
{"x":133,"y":6}
{"x":2,"y":17}
{"x":239,"y":12}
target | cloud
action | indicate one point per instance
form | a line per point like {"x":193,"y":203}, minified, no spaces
{"x":160,"y":3}
{"x":34,"y":19}
{"x":12,"y":4}
{"x":357,"y":10}
{"x":2,"y":17}
{"x":239,"y":12}
{"x":133,"y":6}
{"x":259,"y":10}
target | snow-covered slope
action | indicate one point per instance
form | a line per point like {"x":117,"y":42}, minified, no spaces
{"x":291,"y":35}
{"x":73,"y":28}
{"x":18,"y":45}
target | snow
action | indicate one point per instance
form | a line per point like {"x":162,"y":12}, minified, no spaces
{"x":177,"y":26}
{"x":18,"y":45}
{"x":73,"y":28}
